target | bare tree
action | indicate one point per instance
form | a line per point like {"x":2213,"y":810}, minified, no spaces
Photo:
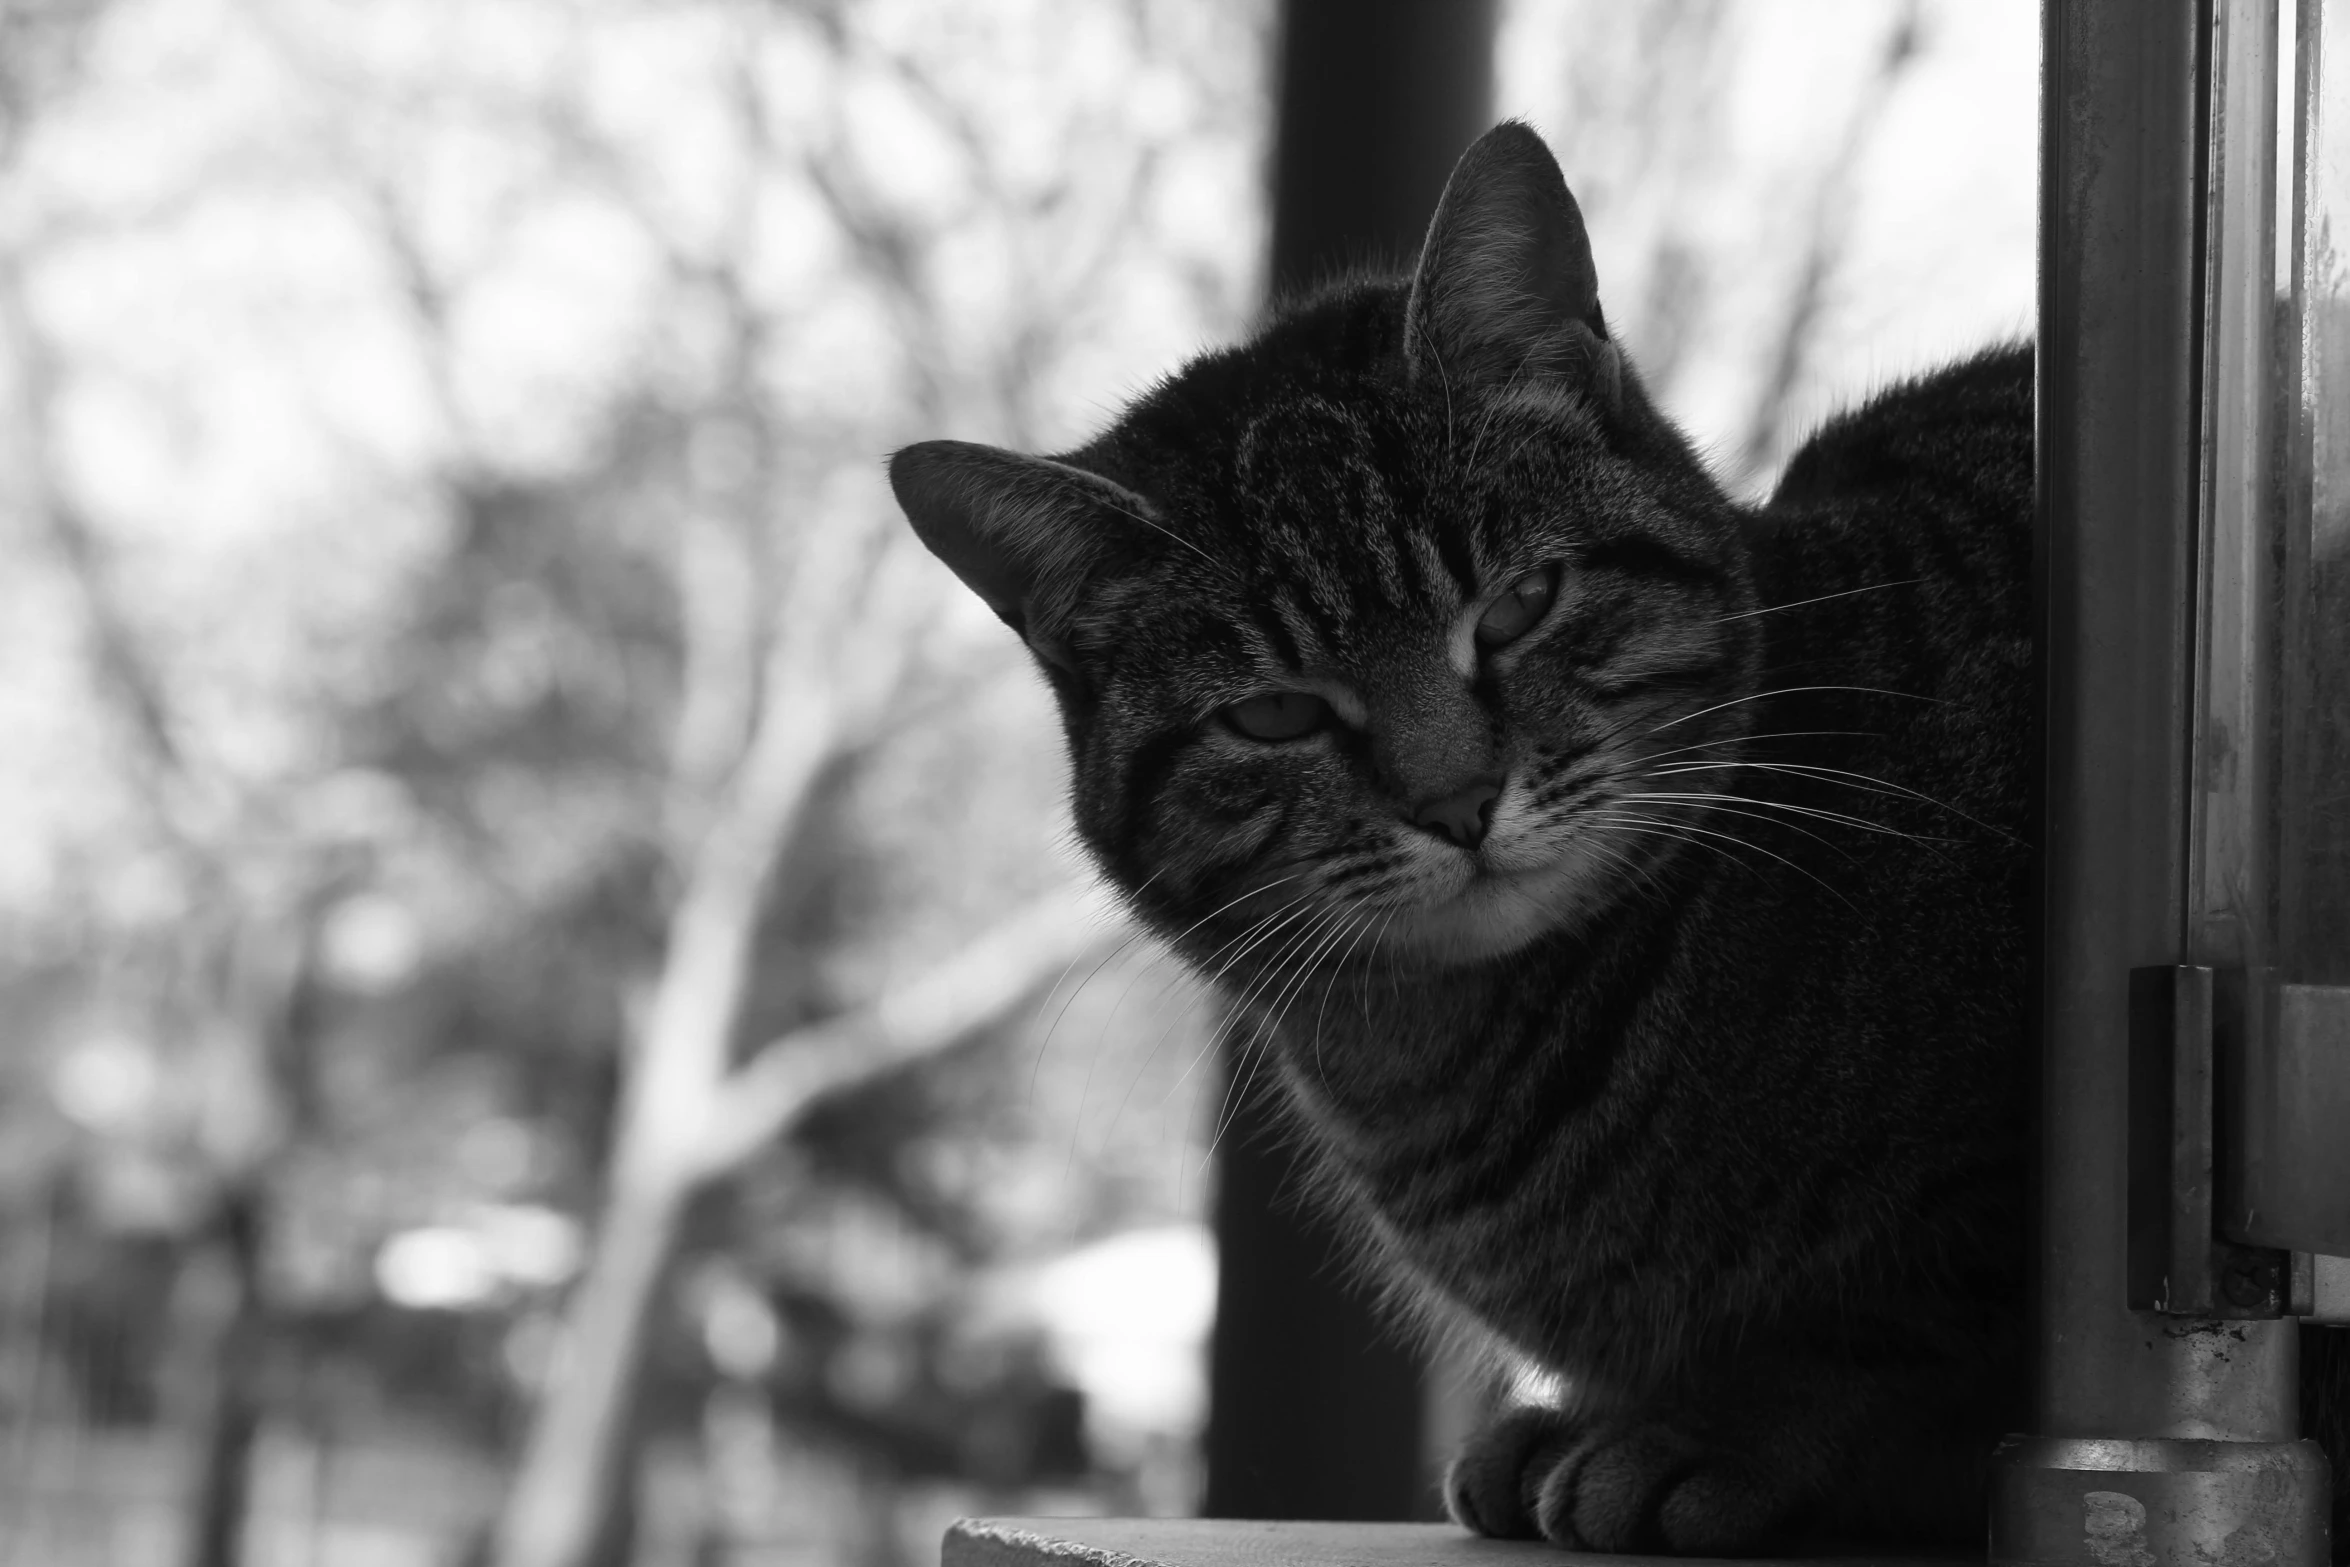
{"x":805,"y":629}
{"x":778,"y":696}
{"x":241,"y":965}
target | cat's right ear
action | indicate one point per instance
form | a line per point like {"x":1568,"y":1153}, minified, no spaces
{"x":1505,"y":295}
{"x":1027,"y":534}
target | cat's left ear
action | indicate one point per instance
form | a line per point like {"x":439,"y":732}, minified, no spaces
{"x":1505,"y":295}
{"x":1027,"y":534}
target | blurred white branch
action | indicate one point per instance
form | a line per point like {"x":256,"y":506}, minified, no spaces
{"x":976,"y":988}
{"x":125,"y":670}
{"x":1827,"y":236}
{"x":620,"y":307}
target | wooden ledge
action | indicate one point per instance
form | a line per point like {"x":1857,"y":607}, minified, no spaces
{"x":1224,"y":1542}
{"x":1219,"y":1542}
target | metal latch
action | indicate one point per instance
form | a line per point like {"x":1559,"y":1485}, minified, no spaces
{"x":2239,"y":1146}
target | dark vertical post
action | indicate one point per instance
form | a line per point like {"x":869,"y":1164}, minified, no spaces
{"x":1375,"y":99}
{"x":1314,"y":1405}
{"x":2162,"y":1439}
{"x":2117,"y":397}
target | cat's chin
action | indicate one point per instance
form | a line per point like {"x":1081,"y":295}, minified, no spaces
{"x":1491,"y":913}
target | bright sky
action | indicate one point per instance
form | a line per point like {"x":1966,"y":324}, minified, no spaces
{"x":1940,"y":258}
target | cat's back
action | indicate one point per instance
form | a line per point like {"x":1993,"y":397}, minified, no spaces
{"x":1963,"y":431}
{"x":1893,"y":725}
{"x":1893,"y":566}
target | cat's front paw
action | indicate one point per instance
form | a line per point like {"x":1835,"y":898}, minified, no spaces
{"x":1616,"y":1484}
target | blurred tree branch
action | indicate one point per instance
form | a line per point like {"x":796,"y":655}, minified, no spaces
{"x":1827,"y":236}
{"x":126,"y":671}
{"x":777,"y":698}
{"x":244,"y":953}
{"x":970,"y":991}
{"x":790,"y":635}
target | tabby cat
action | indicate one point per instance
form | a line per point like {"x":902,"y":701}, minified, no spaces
{"x":1628,"y":885}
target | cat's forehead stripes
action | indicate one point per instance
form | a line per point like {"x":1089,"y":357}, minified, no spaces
{"x":1323,"y":506}
{"x":1308,"y":630}
{"x":1348,"y":549}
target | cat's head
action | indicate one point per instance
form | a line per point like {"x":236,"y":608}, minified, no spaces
{"x":1363,"y":631}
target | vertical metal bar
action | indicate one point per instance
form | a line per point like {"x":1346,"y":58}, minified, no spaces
{"x":1376,"y":100}
{"x":2161,"y":1439}
{"x":2171,"y":1149}
{"x":1314,"y":1406}
{"x":2289,"y":1181}
{"x":2230,"y":908}
{"x":2119,"y":397}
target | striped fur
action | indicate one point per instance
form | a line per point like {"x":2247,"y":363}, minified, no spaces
{"x":1700,"y":1085}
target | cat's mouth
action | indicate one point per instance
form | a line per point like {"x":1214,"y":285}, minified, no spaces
{"x":1504,"y":895}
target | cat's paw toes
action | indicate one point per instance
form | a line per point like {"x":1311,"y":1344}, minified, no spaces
{"x":1485,"y":1486}
{"x":1653,"y":1487}
{"x":1615,"y":1485}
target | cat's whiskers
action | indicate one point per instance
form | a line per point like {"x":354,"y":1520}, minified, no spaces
{"x":1640,"y":713}
{"x":1262,"y":930}
{"x":1363,"y":994}
{"x":1818,"y":813}
{"x":1053,"y":1028}
{"x":1338,"y":929}
{"x":1362,"y":929}
{"x":1293,"y":985}
{"x":1756,"y":696}
{"x":1153,"y":526}
{"x":1036,"y":1066}
{"x":1146,"y":971}
{"x":1727,"y":805}
{"x":1225,"y":954}
{"x":1867,"y":783}
{"x":1141,"y":932}
{"x":1570,"y":899}
{"x":1484,"y":428}
{"x":1203,"y":994}
{"x":1300,"y":908}
{"x":1495,"y":401}
{"x":1443,"y":380}
{"x":1652,"y":827}
{"x":1206,"y":986}
{"x":1773,"y":609}
{"x":1261,"y":1042}
{"x":1759,"y":849}
{"x":1085,"y":1089}
{"x":1226,"y":1037}
{"x":1643,"y":873}
{"x":1142,"y":1067}
{"x":1775,"y":734}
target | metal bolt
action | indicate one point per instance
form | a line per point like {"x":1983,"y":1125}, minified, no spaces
{"x":2251,"y":1281}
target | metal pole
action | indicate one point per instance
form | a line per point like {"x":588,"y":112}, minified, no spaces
{"x":2162,"y":1437}
{"x":1314,"y":1404}
{"x":2118,"y":399}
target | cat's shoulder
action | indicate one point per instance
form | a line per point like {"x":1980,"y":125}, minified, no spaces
{"x":1967,"y":424}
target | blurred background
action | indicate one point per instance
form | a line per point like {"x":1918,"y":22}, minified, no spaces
{"x":548,"y":1011}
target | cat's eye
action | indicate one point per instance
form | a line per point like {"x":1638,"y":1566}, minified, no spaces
{"x":1514,"y":614}
{"x":1279,"y":715}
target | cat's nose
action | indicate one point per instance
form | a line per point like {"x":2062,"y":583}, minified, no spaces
{"x":1460,"y":817}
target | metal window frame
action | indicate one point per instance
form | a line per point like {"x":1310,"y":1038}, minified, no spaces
{"x":2179,"y":1159}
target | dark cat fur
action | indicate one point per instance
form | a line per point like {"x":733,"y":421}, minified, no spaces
{"x":1716,"y":1111}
